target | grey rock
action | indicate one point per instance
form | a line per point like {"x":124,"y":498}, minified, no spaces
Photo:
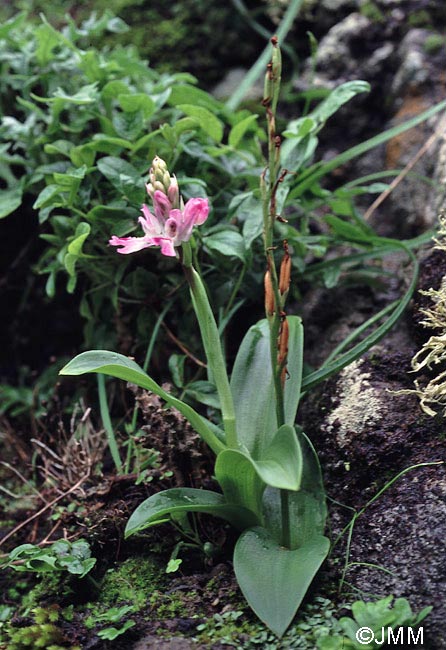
{"x":414,"y":68}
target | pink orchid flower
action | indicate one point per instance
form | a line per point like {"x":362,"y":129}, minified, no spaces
{"x":168,"y":227}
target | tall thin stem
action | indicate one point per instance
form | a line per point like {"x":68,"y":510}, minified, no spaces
{"x":214,"y":353}
{"x":274,"y":302}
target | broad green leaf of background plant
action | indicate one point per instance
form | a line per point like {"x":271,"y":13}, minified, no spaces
{"x":238,"y":131}
{"x":208,"y":121}
{"x":10,"y":200}
{"x":273,"y":579}
{"x":159,"y":507}
{"x":228,"y":243}
{"x":252,"y":386}
{"x":329,"y":106}
{"x":117,"y":365}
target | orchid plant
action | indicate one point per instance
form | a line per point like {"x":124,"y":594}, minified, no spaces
{"x":267,"y":469}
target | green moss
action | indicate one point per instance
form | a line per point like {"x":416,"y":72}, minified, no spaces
{"x":434,"y":43}
{"x":51,"y":586}
{"x":420,"y":18}
{"x":371,"y":11}
{"x":42,"y":633}
{"x":132,"y":581}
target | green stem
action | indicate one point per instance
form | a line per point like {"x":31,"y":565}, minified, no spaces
{"x":285,"y":513}
{"x":106,"y":421}
{"x":214,"y":353}
{"x":268,"y":193}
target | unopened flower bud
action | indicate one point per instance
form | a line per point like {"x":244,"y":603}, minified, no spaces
{"x":166,"y":179}
{"x":159,"y":186}
{"x":150,"y":190}
{"x":269,"y":294}
{"x":173,"y":192}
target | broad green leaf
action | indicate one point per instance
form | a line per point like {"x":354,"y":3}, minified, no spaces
{"x":185,"y":94}
{"x":238,"y":131}
{"x":243,"y":479}
{"x":137,"y":102}
{"x":10,"y":200}
{"x":247,"y":208}
{"x":204,"y":392}
{"x":252,"y":386}
{"x":116,"y":365}
{"x":112,"y":90}
{"x":128,"y":125}
{"x":273,"y":579}
{"x":330,"y":105}
{"x":337,"y":98}
{"x":70,"y":179}
{"x":87,"y":94}
{"x":12,"y":24}
{"x":208,"y":122}
{"x":186,"y":124}
{"x":47,"y":40}
{"x":307,"y":506}
{"x":159,"y":507}
{"x":228,"y":243}
{"x":123,"y":176}
{"x":240,"y":482}
{"x":47,"y":196}
{"x":84,"y":154}
{"x":83,"y":229}
{"x":62,"y":147}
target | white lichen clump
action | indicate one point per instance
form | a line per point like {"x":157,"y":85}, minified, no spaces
{"x":433,"y":394}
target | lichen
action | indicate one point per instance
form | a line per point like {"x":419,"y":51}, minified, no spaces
{"x":433,"y":353}
{"x":360,"y":404}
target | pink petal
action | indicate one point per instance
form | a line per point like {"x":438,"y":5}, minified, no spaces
{"x":196,"y":210}
{"x":130,"y":244}
{"x":150,"y":224}
{"x":167,"y":247}
{"x":161,"y":205}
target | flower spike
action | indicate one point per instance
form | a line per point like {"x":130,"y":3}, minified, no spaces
{"x":172,"y":221}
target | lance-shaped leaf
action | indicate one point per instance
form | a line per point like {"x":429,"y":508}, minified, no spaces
{"x":117,"y":365}
{"x":274,"y":579}
{"x":253,"y":389}
{"x":159,"y":507}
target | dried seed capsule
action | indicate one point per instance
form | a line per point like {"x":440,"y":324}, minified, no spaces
{"x":285,"y":273}
{"x":269,"y":294}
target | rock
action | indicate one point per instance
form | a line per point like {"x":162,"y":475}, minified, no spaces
{"x":373,"y":443}
{"x":232,"y":80}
